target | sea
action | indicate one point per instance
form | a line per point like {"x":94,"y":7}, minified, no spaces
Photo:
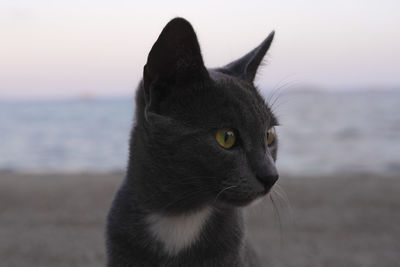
{"x":321,"y":133}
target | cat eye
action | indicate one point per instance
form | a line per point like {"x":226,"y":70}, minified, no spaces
{"x":226,"y":137}
{"x":271,"y":136}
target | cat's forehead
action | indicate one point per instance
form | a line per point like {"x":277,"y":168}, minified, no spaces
{"x":236,"y":87}
{"x":243,"y":95}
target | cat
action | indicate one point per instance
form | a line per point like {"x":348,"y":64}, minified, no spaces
{"x":203,"y":146}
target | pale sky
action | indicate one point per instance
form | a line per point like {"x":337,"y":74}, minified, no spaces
{"x":72,"y":48}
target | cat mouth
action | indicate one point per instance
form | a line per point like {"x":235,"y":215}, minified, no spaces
{"x":243,"y":192}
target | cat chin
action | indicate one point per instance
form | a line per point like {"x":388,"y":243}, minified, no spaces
{"x":242,"y":201}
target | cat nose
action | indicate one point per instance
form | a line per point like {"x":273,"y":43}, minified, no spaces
{"x":267,"y":173}
{"x":269,"y":179}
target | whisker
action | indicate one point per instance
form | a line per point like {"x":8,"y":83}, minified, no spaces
{"x":279,"y":91}
{"x":278,"y":216}
{"x":223,"y":190}
{"x":278,"y":190}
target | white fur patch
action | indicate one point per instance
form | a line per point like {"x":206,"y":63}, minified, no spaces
{"x":180,"y":231}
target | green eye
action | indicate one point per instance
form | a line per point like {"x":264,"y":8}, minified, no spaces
{"x":271,"y":136}
{"x":226,"y":137}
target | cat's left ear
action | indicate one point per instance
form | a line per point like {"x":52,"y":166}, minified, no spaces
{"x":246,"y":66}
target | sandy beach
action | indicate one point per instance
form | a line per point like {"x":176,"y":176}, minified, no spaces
{"x":59,"y":220}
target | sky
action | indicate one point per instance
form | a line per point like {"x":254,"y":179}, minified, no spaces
{"x":98,"y":48}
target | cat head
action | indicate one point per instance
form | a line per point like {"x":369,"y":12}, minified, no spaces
{"x":209,"y":134}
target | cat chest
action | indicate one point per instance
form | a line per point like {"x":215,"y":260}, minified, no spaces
{"x":178,"y":232}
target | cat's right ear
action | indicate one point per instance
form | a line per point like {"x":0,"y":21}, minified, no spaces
{"x":246,"y":67}
{"x":174,"y":59}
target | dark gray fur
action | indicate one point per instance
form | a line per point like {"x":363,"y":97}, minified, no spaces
{"x":177,"y":167}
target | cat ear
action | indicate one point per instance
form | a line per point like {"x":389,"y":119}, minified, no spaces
{"x":175,"y":58}
{"x":246,"y":66}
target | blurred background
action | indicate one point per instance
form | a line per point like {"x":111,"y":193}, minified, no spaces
{"x":68,"y":75}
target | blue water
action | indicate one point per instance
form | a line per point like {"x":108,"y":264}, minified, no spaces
{"x":321,"y":133}
{"x":345,"y":132}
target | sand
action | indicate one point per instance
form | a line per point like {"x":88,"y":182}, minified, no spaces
{"x":58,"y":220}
